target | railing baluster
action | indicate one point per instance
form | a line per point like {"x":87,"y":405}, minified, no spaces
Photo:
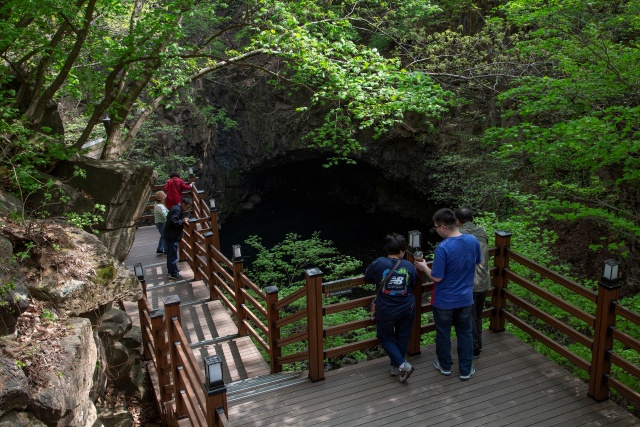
{"x":164,"y":379}
{"x":314,"y":324}
{"x":172,"y":310}
{"x":501,"y":261}
{"x":416,"y":329}
{"x":273,"y":315}
{"x":238,"y":268}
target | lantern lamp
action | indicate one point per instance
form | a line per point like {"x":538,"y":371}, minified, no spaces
{"x":212,"y":204}
{"x":414,"y":238}
{"x":610,"y":270}
{"x":138,"y":271}
{"x":237,"y":253}
{"x":213,"y":373}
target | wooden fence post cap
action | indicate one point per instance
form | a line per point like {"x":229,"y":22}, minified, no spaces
{"x":503,"y":233}
{"x":271,"y":289}
{"x":171,"y":300}
{"x":208,"y":234}
{"x":313,"y":272}
{"x":157,"y":313}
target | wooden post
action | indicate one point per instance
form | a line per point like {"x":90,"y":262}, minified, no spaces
{"x":208,"y":256}
{"x":214,"y":227}
{"x":216,"y":399}
{"x":501,"y":261}
{"x":172,"y":311}
{"x":608,"y":292}
{"x":313,"y":277}
{"x":416,"y":329}
{"x":193,"y":239}
{"x":238,"y":268}
{"x":162,"y":360}
{"x":273,"y":315}
{"x":142,"y":307}
{"x":199,"y":201}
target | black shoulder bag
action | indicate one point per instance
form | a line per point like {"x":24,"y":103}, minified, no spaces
{"x":372,"y":308}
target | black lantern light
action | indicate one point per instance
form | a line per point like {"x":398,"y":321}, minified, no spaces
{"x":212,"y":204}
{"x":414,"y":239}
{"x":138,"y":271}
{"x":106,"y":121}
{"x":610,"y":271}
{"x":191,"y":172}
{"x":237,"y":253}
{"x":214,"y":380}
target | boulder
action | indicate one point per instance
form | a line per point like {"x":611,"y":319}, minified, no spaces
{"x":14,"y":296}
{"x":79,"y":274}
{"x":122,"y":186}
{"x":14,"y":387}
{"x":63,"y":396}
{"x":20,"y":419}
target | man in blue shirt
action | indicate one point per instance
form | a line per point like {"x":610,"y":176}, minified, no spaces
{"x":454,"y":266}
{"x":173,"y":234}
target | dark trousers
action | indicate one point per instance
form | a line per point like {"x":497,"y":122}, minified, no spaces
{"x":478,"y":306}
{"x":172,"y":256}
{"x":393,"y":331}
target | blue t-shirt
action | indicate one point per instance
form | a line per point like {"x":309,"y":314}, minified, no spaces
{"x":397,"y":292}
{"x":455,"y":262}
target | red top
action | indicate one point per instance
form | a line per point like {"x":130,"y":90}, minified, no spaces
{"x":174,"y":188}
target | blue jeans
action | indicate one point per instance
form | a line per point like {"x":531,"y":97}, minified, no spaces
{"x":172,"y":257}
{"x":160,"y":227}
{"x":393,"y":331}
{"x":460,"y":318}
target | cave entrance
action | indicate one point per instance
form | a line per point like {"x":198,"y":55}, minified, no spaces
{"x":352,"y":205}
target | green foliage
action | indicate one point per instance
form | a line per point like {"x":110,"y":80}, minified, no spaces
{"x":284,"y":265}
{"x":48,"y":315}
{"x":575,"y":119}
{"x":87,"y":219}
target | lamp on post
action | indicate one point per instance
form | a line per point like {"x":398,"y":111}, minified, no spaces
{"x":106,"y":121}
{"x":414,"y":239}
{"x":214,"y":381}
{"x":212,"y":204}
{"x":191,"y":172}
{"x":237,"y":253}
{"x":610,"y":273}
{"x":139,"y":272}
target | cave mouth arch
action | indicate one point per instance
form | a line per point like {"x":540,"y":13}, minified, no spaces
{"x":354,"y":206}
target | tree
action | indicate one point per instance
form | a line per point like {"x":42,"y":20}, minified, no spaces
{"x":128,"y":58}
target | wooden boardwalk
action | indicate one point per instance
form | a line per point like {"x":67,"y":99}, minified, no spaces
{"x":514,"y":385}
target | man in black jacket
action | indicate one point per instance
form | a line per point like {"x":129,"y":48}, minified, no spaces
{"x":173,"y":234}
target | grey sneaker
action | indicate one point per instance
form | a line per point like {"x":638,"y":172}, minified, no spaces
{"x":436,"y":364}
{"x":466,"y":377}
{"x":406,"y":372}
{"x":394,"y":370}
{"x":176,"y":277}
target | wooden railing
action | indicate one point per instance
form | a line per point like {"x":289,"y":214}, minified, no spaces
{"x":258,"y":313}
{"x":261,"y":314}
{"x":177,"y":379}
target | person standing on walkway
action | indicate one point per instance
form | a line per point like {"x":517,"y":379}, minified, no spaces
{"x":482,"y":278}
{"x":160,"y":212}
{"x":174,"y":188}
{"x":454,"y":267}
{"x":395,"y":304}
{"x":173,"y":231}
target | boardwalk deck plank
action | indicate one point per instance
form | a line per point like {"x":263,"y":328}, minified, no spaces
{"x":514,"y":385}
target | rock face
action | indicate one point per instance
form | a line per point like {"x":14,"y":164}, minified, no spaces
{"x":122,"y":186}
{"x":81,"y":275}
{"x":66,"y":401}
{"x":14,"y":296}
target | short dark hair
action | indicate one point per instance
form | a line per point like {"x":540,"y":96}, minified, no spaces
{"x":444,"y":216}
{"x":187,"y":201}
{"x":174,"y":175}
{"x":394,"y":243}
{"x":464,"y":215}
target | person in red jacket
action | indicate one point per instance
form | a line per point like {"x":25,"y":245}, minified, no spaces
{"x":174,"y":188}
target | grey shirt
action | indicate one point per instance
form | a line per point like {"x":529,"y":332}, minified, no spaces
{"x":482,"y":278}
